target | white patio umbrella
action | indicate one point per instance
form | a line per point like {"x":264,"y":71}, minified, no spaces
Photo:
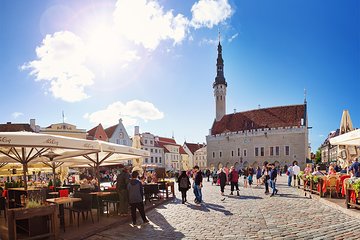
{"x":25,"y":147}
{"x":110,"y":154}
{"x":347,"y":139}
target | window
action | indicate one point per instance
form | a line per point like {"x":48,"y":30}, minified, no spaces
{"x":151,"y":142}
{"x":213,"y":154}
{"x":220,"y":154}
{"x":146,"y":149}
{"x":146,"y":160}
{"x":262,"y":151}
{"x":159,"y":159}
{"x":124,"y":142}
{"x":287,"y":150}
{"x":117,"y":141}
{"x":277,"y":150}
{"x":245,"y":152}
{"x":256,"y":152}
{"x":145,"y":141}
{"x":271,"y":151}
{"x":152,"y":160}
{"x":238,"y":152}
{"x":151,"y":150}
{"x":155,"y":150}
{"x":156,"y":159}
{"x":232,"y":153}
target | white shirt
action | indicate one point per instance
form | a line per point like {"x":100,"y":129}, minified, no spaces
{"x":296,"y":169}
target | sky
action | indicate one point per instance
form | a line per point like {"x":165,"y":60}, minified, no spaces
{"x":152,"y":62}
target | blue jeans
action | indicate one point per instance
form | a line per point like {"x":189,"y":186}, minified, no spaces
{"x":272,"y":185}
{"x":289,"y":180}
{"x":197,"y":192}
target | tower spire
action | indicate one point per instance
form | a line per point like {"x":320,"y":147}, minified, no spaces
{"x":305,"y":96}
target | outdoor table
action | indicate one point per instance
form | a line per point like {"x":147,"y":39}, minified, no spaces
{"x":99,"y":195}
{"x":167,"y":185}
{"x":61,"y":201}
{"x":150,"y":190}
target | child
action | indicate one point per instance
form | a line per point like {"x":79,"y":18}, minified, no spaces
{"x":136,"y":194}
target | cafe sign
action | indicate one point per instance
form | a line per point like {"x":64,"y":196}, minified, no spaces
{"x":5,"y":140}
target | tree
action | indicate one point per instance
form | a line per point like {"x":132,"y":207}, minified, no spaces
{"x":318,"y":156}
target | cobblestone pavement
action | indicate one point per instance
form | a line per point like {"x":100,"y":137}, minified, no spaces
{"x":253,"y":215}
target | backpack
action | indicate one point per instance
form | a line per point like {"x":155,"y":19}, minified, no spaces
{"x":183,"y":183}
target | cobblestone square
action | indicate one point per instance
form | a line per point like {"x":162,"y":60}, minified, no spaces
{"x":252,"y":215}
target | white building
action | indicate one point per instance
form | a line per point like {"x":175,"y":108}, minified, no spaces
{"x":173,"y":154}
{"x":200,"y":157}
{"x":118,"y":134}
{"x":190,"y":149}
{"x":149,"y":143}
{"x":275,"y":134}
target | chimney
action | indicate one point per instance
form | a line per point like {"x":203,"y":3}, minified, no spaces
{"x":136,"y":130}
{"x":120,"y":120}
{"x":8,"y":122}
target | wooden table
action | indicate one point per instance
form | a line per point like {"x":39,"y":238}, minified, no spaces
{"x":99,"y":195}
{"x":61,"y":201}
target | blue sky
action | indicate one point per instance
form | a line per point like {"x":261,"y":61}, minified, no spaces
{"x":152,"y":63}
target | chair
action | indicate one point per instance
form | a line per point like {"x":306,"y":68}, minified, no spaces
{"x":331,"y":185}
{"x":64,"y":193}
{"x":3,"y":205}
{"x":113,"y":199}
{"x":162,"y":189}
{"x":84,"y":206}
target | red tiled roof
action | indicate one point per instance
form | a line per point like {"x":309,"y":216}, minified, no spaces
{"x":110,"y":130}
{"x":182,"y":151}
{"x":275,"y":117}
{"x":167,"y":140}
{"x":17,"y":127}
{"x":96,"y":132}
{"x":194,"y":146}
{"x":92,"y":131}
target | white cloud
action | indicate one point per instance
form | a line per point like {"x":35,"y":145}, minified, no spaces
{"x":233,"y":37}
{"x":146,"y":23}
{"x":207,"y":13}
{"x":130,"y":112}
{"x":16,"y":114}
{"x":207,"y":41}
{"x":61,"y":59}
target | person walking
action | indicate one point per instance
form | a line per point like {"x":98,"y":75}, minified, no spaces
{"x":273,"y":175}
{"x":184,"y":185}
{"x":246,"y":174}
{"x":208,"y":173}
{"x":122,"y":181}
{"x":296,"y":171}
{"x":250,"y":176}
{"x":234,"y":180}
{"x":266,"y":177}
{"x":198,"y":184}
{"x":355,"y":168}
{"x":222,"y":178}
{"x":258,"y":176}
{"x":136,"y":196}
{"x":290,"y":174}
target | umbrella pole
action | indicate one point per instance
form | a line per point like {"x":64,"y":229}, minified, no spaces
{"x":24,"y":163}
{"x":54,"y":176}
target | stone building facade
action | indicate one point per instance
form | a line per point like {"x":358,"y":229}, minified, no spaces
{"x":275,"y":134}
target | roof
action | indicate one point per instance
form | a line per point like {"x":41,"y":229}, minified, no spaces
{"x":91,"y":134}
{"x":167,"y":140}
{"x":274,"y":117}
{"x":182,"y":151}
{"x":110,"y":130}
{"x":194,"y":146}
{"x":15,"y":127}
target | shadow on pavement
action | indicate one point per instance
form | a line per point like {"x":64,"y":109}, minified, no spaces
{"x":206,"y":207}
{"x":287,"y":195}
{"x":244,"y":197}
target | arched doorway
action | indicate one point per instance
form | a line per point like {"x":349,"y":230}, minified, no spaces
{"x":212,"y":167}
{"x":255,"y":165}
{"x":245,"y":164}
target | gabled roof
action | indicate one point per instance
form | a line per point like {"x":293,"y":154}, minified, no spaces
{"x":15,"y":127}
{"x":110,"y":130}
{"x":182,"y":151}
{"x":194,"y":146}
{"x":274,"y":117}
{"x":91,"y":134}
